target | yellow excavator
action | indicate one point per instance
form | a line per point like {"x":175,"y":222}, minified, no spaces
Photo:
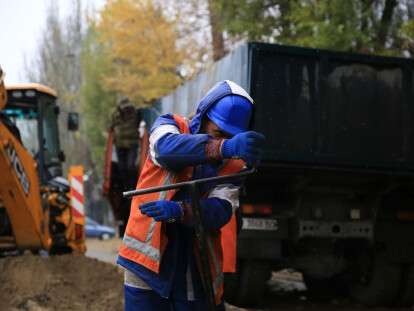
{"x":36,"y":210}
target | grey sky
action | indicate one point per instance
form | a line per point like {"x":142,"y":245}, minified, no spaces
{"x":21,"y":24}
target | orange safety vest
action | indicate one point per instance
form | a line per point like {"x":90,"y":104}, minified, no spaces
{"x":145,"y":239}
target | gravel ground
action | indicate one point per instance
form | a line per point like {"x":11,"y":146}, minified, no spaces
{"x":286,"y":290}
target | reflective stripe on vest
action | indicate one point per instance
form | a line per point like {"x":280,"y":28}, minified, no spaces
{"x":145,"y":247}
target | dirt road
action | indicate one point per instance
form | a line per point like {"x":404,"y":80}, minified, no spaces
{"x":106,"y":251}
{"x":62,"y":283}
{"x":286,"y":291}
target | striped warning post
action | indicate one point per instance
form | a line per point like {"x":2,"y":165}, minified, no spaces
{"x":76,"y":191}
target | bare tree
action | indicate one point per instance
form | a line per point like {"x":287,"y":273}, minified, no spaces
{"x":57,"y":65}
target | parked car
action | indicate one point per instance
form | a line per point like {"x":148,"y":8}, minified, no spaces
{"x":96,"y":230}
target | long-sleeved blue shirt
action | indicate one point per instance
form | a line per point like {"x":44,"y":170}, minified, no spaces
{"x":175,"y":151}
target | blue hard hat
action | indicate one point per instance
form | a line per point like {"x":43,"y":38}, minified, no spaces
{"x":231,"y":114}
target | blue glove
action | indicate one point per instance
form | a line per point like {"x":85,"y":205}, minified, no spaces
{"x":162,"y":210}
{"x":246,"y":145}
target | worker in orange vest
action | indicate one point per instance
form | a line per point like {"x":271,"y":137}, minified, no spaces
{"x":159,"y":251}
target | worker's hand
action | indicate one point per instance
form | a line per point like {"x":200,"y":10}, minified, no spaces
{"x":162,"y":210}
{"x":246,"y":146}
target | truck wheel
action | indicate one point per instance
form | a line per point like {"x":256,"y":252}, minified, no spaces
{"x":247,"y":286}
{"x":324,"y":288}
{"x":406,"y":298}
{"x":378,"y":284}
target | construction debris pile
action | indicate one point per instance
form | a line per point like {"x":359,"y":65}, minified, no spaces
{"x":67,"y":282}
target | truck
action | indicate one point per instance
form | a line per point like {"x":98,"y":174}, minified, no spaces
{"x":333,"y":197}
{"x":39,"y":209}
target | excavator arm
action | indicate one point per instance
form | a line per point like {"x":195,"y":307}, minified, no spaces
{"x":20,"y":195}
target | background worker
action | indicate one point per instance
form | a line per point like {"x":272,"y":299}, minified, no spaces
{"x":124,"y":125}
{"x":159,"y":252}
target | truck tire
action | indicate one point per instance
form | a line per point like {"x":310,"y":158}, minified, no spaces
{"x":406,"y":298}
{"x":247,"y":286}
{"x":378,"y":286}
{"x":324,"y":288}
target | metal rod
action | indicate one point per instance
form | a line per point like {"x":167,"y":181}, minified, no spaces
{"x":201,"y":237}
{"x":128,"y":194}
{"x":200,"y":232}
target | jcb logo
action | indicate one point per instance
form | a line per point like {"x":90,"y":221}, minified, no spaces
{"x":18,"y":167}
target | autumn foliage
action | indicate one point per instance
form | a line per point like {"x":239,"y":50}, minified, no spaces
{"x":143,"y":54}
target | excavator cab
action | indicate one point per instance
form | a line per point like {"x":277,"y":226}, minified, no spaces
{"x":33,"y":111}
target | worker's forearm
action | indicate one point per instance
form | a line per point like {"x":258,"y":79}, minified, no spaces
{"x":176,"y":151}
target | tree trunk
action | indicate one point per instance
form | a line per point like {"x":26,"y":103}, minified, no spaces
{"x":216,"y":33}
{"x":385,"y":23}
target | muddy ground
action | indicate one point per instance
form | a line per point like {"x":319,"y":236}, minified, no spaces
{"x":68,"y":282}
{"x":36,"y":283}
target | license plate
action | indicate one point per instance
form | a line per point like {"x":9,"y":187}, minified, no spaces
{"x":260,"y":224}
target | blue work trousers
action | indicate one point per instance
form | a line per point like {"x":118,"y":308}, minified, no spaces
{"x":137,"y":299}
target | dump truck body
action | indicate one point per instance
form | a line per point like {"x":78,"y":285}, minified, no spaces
{"x":333,"y":194}
{"x":318,"y":107}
